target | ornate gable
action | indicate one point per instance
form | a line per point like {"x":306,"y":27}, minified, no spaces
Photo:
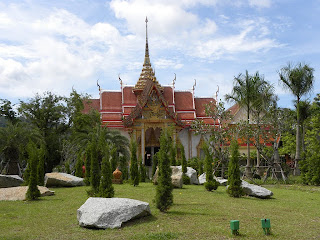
{"x":151,"y":105}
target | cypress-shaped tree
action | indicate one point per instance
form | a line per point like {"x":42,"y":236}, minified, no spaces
{"x":124,"y":167}
{"x":40,"y":167}
{"x":211,"y":183}
{"x":95,"y":170}
{"x":88,"y":164}
{"x":173,"y":154}
{"x":67,"y":167}
{"x":142,"y":168}
{"x":155,"y":163}
{"x":114,"y":158}
{"x":186,"y":179}
{"x":79,"y":163}
{"x":134,"y":171}
{"x":33,"y":192}
{"x":106,"y":188}
{"x":164,"y":196}
{"x":234,"y":189}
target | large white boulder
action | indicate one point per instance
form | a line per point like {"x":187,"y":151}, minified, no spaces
{"x":192,"y":174}
{"x":57,"y":179}
{"x":110,"y":212}
{"x":255,"y":190}
{"x":10,"y":181}
{"x":19,"y":193}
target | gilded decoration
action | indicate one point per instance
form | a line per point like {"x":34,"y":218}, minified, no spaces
{"x":154,"y":109}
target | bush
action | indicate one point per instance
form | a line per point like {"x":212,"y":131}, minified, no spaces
{"x":211,"y":185}
{"x":234,"y":181}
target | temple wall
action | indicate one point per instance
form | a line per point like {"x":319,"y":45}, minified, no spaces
{"x":184,"y":139}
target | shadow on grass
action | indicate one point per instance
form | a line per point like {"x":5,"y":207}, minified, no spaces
{"x":131,"y":222}
{"x":184,"y":213}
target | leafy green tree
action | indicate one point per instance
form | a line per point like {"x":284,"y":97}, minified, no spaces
{"x":134,"y":171}
{"x":33,"y":192}
{"x":246,"y":92}
{"x":164,"y":196}
{"x":234,"y":181}
{"x":216,"y":135}
{"x":106,"y":188}
{"x":310,"y":165}
{"x":299,"y":81}
{"x":48,"y":113}
{"x":7,"y":112}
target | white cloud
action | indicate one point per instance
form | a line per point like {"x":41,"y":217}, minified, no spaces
{"x":260,"y":3}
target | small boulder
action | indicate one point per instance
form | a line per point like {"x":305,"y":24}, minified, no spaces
{"x":202,"y":178}
{"x":19,"y":193}
{"x":176,"y":177}
{"x":220,"y":180}
{"x":10,"y":181}
{"x":110,"y":212}
{"x":192,"y":174}
{"x":57,"y":179}
{"x":255,"y":190}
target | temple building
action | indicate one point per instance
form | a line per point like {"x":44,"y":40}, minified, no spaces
{"x":142,"y":110}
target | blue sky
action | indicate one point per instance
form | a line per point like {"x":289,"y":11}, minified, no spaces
{"x":57,"y":45}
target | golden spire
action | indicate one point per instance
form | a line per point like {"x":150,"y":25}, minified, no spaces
{"x":147,"y":72}
{"x":146,"y":56}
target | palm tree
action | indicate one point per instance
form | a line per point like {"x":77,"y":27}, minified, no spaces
{"x":299,"y":81}
{"x":261,"y":106}
{"x":246,"y":92}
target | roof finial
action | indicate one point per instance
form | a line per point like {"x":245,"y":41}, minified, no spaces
{"x":146,"y":57}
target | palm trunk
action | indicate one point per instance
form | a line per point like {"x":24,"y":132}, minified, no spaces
{"x":296,"y":170}
{"x":248,"y":166}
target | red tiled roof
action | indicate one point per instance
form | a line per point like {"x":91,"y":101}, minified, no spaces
{"x":200,"y":104}
{"x":183,"y":101}
{"x":90,"y":104}
{"x":168,"y":95}
{"x":129,"y":98}
{"x":111,"y":101}
{"x":111,"y":116}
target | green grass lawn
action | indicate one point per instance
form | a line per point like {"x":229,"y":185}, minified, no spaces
{"x":196,"y":214}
